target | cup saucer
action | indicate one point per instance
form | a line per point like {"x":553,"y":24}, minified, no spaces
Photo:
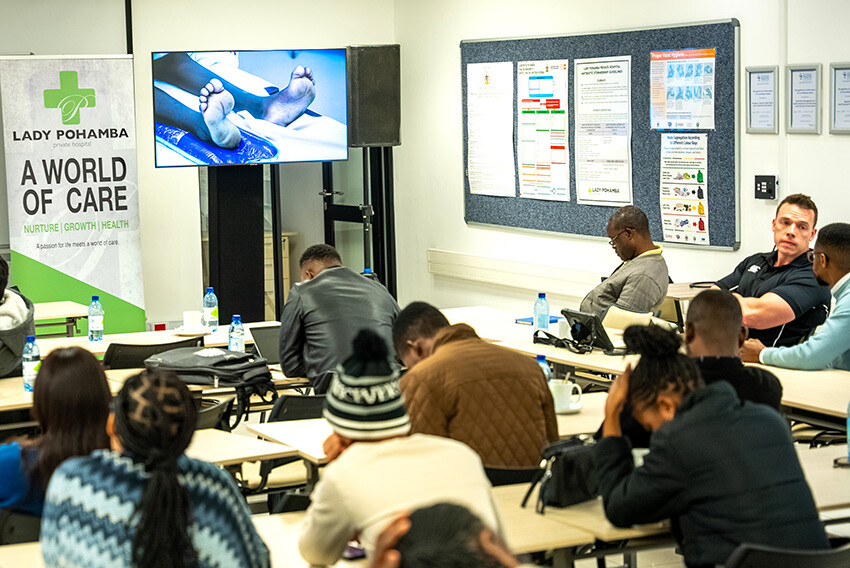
{"x":191,"y":331}
{"x":572,"y":409}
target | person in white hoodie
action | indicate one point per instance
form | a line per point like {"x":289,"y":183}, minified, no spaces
{"x":16,"y":322}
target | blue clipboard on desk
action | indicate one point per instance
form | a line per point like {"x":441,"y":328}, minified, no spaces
{"x":530,"y":320}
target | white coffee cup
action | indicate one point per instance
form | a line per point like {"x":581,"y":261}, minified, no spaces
{"x":567,"y":396}
{"x":192,"y":319}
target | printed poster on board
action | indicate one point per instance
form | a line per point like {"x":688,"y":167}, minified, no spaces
{"x":603,"y":130}
{"x":684,"y":188}
{"x":681,"y":89}
{"x":543,"y":149}
{"x":71,"y":182}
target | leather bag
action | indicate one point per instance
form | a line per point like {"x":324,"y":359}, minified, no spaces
{"x":567,"y":475}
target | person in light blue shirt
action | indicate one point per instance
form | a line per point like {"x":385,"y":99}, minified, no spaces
{"x":829,"y":347}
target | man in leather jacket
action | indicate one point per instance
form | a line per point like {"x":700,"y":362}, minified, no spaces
{"x":324,"y":312}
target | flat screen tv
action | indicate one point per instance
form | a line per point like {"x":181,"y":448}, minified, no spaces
{"x":216,"y":108}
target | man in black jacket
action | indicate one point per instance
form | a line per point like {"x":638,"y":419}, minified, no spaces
{"x":724,"y":471}
{"x":714,"y":334}
{"x":325,"y":311}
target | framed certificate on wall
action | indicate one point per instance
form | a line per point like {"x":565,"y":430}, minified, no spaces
{"x":803,"y":96}
{"x":839,"y":98}
{"x":762,"y":100}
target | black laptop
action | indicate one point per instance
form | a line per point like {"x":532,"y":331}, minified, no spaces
{"x":267,"y":343}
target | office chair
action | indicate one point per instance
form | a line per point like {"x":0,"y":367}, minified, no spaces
{"x":18,"y":527}
{"x":212,"y":411}
{"x":287,"y":407}
{"x":132,"y":356}
{"x":758,"y":556}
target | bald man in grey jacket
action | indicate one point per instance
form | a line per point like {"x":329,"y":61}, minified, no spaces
{"x":639,"y":284}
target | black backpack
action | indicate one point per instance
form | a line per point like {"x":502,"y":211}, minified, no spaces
{"x":248,"y":374}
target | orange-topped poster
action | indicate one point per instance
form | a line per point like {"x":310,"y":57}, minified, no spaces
{"x":681,"y":89}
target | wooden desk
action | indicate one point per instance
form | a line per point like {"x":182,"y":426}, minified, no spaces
{"x":497,"y":326}
{"x":65,"y":310}
{"x":216,"y":339}
{"x":19,"y":555}
{"x":587,"y":420}
{"x":682,"y":291}
{"x":224,"y":449}
{"x":588,"y":516}
{"x":14,"y":397}
{"x":306,"y":436}
{"x":822,"y":392}
{"x":830,"y":485}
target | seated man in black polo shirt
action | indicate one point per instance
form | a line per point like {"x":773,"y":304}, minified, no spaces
{"x":781,"y":300}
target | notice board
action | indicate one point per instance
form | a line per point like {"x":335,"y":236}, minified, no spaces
{"x":570,"y":217}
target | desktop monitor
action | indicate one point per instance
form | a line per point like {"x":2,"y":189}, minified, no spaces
{"x":214,"y":108}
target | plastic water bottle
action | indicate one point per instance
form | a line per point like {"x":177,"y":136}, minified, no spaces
{"x":210,"y":309}
{"x":95,"y":319}
{"x":31,"y":362}
{"x":547,"y":371}
{"x":236,"y":336}
{"x":541,"y":312}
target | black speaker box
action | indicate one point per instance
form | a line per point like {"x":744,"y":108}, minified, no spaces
{"x":374,"y":95}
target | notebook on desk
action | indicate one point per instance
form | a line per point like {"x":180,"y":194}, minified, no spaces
{"x":267,"y":344}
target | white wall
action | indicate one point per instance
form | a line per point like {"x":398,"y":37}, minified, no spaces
{"x":429,"y":190}
{"x":170,"y":216}
{"x":429,"y":179}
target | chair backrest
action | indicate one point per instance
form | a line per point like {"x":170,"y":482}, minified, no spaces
{"x":131,"y":356}
{"x":671,"y":311}
{"x":297,"y":407}
{"x":18,"y":527}
{"x":758,"y":556}
{"x":618,"y":318}
{"x":211,"y":411}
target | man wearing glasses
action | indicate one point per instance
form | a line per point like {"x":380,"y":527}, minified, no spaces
{"x":639,"y":284}
{"x":828,"y":348}
{"x":780,"y":298}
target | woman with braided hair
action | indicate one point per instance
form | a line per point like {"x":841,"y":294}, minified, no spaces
{"x":724,"y":471}
{"x":144,"y":503}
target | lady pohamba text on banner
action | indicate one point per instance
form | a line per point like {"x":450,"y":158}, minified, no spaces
{"x":71,"y":180}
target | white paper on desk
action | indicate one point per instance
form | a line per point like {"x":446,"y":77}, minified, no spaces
{"x":804,"y":99}
{"x":490,"y":128}
{"x":543,"y":148}
{"x":603,"y":111}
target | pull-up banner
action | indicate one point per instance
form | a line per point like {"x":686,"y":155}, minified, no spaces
{"x":71,"y":182}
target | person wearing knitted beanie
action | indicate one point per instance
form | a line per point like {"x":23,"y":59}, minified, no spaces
{"x":379,"y":470}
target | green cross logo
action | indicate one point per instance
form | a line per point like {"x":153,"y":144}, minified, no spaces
{"x":69,"y":97}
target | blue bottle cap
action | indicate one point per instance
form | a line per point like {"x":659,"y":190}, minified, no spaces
{"x":209,"y":289}
{"x":541,"y":294}
{"x":95,"y":298}
{"x":30,"y":339}
{"x":237,"y":317}
{"x":541,"y":358}
{"x":367,"y":271}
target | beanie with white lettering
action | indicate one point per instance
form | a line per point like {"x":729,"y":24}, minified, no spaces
{"x":364,"y":401}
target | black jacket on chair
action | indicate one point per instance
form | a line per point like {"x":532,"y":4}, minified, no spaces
{"x":322,"y":316}
{"x":724,"y":471}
